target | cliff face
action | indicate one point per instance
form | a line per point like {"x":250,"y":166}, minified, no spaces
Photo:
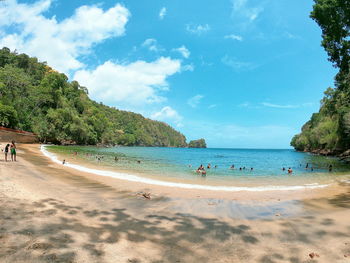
{"x":9,"y":135}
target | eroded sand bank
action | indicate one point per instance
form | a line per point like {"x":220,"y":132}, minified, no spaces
{"x":51,"y":213}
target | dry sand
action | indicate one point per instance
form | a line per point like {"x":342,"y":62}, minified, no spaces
{"x":51,"y":213}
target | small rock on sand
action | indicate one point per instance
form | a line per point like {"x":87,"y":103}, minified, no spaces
{"x":314,"y":255}
{"x":147,"y":195}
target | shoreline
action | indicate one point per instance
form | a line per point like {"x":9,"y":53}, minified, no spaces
{"x":140,"y":179}
{"x":176,"y":192}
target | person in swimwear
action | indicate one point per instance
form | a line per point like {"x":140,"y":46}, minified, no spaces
{"x":13,"y":151}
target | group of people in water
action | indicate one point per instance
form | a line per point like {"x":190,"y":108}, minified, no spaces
{"x":99,"y":158}
{"x":201,"y":170}
{"x":10,"y":148}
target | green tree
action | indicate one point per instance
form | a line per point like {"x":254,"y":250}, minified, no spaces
{"x":197,"y":144}
{"x":333,"y":17}
{"x":8,"y":116}
{"x":329,"y":128}
{"x":35,"y":97}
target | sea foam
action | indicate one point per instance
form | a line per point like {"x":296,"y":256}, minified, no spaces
{"x":139,"y":179}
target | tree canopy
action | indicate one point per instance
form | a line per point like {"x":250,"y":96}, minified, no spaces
{"x":329,"y":129}
{"x":34,"y":97}
{"x":200,"y":143}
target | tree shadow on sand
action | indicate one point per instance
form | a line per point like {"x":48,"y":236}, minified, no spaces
{"x":173,"y":236}
{"x":51,"y":231}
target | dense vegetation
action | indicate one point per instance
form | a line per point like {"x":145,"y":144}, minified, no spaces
{"x":34,"y":97}
{"x":328,"y":131}
{"x":197,"y":144}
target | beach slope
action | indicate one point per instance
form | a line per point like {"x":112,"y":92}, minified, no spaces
{"x":50,"y":213}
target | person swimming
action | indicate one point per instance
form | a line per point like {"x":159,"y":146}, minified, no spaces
{"x":208,"y":166}
{"x":307,"y":166}
{"x":232,"y":166}
{"x":251,"y":168}
{"x":283,"y":169}
{"x":201,"y":170}
{"x":290,"y":171}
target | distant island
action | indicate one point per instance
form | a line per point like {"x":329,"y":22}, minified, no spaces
{"x":36,"y":98}
{"x":197,"y":144}
{"x":328,"y":131}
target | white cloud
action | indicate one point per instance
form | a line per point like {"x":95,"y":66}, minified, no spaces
{"x":286,"y":106}
{"x":188,"y":67}
{"x":212,"y":106}
{"x":289,"y":35}
{"x":125,"y":85}
{"x":197,"y":29}
{"x":234,"y":37}
{"x":244,"y":105}
{"x":183,"y":51}
{"x":243,"y":11}
{"x":204,"y":62}
{"x":162,"y":13}
{"x":59,"y":43}
{"x":152,"y":45}
{"x":195,"y":100}
{"x":271,"y":105}
{"x":168,"y":114}
{"x":238,"y":65}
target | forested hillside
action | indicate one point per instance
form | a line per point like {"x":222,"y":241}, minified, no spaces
{"x":200,"y":143}
{"x":328,"y":131}
{"x":35,"y":97}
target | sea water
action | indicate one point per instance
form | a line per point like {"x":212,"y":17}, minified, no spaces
{"x":169,"y":166}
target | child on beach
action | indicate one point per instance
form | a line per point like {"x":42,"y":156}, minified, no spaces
{"x":13,"y":151}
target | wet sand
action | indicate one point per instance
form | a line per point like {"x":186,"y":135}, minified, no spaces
{"x":51,"y":213}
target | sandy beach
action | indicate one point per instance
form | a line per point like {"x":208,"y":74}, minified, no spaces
{"x":52,"y":213}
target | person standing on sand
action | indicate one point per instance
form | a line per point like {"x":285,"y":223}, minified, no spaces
{"x":330,"y":168}
{"x":13,"y":151}
{"x":6,"y":151}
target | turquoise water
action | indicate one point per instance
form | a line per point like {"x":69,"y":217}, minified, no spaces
{"x":173,"y":164}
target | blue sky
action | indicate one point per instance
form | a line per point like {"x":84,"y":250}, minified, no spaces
{"x":239,"y":73}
